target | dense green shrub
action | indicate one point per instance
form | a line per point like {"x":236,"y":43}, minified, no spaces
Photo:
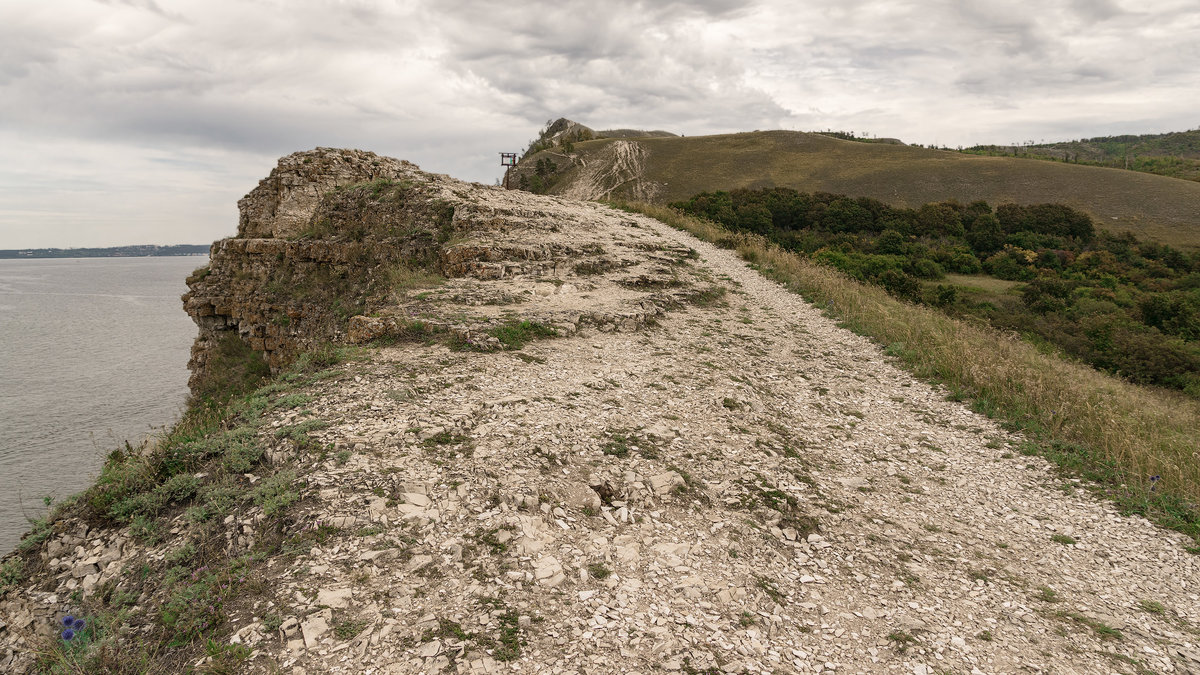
{"x":1012,"y":264}
{"x":928,"y":269}
{"x":1122,"y":305}
{"x":1174,"y":313}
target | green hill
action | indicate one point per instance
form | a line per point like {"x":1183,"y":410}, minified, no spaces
{"x":1174,"y":154}
{"x":667,"y":169}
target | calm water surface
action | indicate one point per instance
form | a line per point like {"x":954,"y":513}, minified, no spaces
{"x":93,"y":351}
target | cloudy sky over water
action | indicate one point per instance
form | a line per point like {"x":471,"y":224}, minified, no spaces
{"x":143,"y":121}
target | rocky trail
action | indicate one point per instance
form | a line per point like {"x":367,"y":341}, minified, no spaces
{"x":716,"y":481}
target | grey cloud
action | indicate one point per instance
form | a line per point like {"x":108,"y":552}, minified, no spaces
{"x":582,"y":58}
{"x":1002,"y":24}
{"x":1097,"y":10}
{"x":147,"y":5}
{"x":184,"y":87}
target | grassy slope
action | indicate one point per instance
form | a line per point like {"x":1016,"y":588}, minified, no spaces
{"x":1179,"y":144}
{"x":1155,"y":207}
{"x":1174,"y":154}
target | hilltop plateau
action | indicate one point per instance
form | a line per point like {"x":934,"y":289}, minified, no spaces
{"x":445,"y":427}
{"x":1174,"y":154}
{"x":669,"y":169}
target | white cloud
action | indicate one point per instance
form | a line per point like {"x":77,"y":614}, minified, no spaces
{"x":128,"y":119}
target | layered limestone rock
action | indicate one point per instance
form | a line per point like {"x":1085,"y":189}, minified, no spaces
{"x":345,"y":244}
{"x":283,"y":203}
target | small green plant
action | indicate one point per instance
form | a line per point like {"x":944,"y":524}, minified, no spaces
{"x":902,"y":640}
{"x":12,"y":574}
{"x":226,"y":657}
{"x":598,"y":571}
{"x":771,"y":589}
{"x":711,"y":296}
{"x":985,"y":635}
{"x":196,"y":605}
{"x":290,"y":401}
{"x":1152,"y":607}
{"x":491,"y":539}
{"x":446,"y":629}
{"x":404,"y":278}
{"x":276,"y":493}
{"x":1047,"y":594}
{"x":1102,"y":630}
{"x":345,"y":629}
{"x":1062,"y":539}
{"x":617,"y":446}
{"x":299,"y":432}
{"x":516,"y":334}
{"x":508,"y":646}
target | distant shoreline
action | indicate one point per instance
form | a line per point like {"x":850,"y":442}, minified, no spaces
{"x":138,"y":251}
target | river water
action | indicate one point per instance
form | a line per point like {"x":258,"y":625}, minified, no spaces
{"x":93,"y":352}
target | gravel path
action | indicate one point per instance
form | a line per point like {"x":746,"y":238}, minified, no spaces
{"x":778,"y":497}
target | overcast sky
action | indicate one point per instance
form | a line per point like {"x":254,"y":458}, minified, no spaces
{"x":143,"y":121}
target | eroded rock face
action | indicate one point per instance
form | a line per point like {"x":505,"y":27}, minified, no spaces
{"x":315,"y":245}
{"x":284,"y":202}
{"x":346,"y":245}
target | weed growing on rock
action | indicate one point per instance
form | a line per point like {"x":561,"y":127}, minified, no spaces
{"x":1102,"y":630}
{"x":1047,"y":594}
{"x":196,"y":603}
{"x":226,"y":658}
{"x":1152,"y":607}
{"x":345,"y":629}
{"x":771,"y":589}
{"x":598,"y":571}
{"x":404,"y":278}
{"x":516,"y":334}
{"x":902,"y":640}
{"x":276,"y":493}
{"x":712,"y":296}
{"x":12,"y":573}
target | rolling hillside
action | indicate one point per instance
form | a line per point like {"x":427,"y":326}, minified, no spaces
{"x":1174,"y":154}
{"x":674,"y":168}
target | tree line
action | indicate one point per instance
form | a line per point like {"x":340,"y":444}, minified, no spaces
{"x":1123,"y":305}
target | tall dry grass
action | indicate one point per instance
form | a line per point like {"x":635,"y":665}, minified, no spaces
{"x":1095,"y":424}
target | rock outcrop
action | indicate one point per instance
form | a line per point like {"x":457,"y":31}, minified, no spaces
{"x":334,"y":240}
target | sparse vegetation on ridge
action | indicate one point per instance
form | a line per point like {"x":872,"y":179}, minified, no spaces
{"x":190,"y":479}
{"x":1136,"y":445}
